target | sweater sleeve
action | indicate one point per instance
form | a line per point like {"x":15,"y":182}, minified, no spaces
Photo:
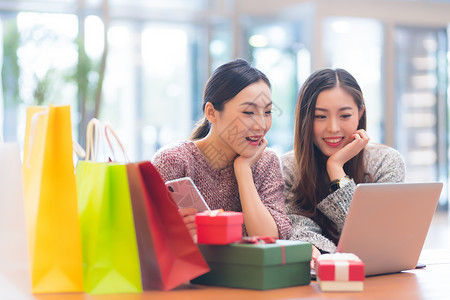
{"x":271,"y":189}
{"x":335,"y":206}
{"x":288,"y":167}
{"x":306,"y":230}
{"x":170,"y":163}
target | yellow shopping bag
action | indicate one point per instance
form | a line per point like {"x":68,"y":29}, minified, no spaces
{"x":54,"y":240}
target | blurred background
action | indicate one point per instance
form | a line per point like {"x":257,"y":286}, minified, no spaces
{"x":141,"y":65}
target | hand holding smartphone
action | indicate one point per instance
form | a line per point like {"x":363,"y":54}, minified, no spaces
{"x":186,"y":194}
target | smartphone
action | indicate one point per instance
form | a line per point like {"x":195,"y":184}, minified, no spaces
{"x":186,"y":194}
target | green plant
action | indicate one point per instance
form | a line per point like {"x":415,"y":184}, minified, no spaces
{"x":10,"y":68}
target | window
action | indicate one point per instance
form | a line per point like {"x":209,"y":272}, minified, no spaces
{"x":421,"y":98}
{"x":153,"y":78}
{"x":356,"y":45}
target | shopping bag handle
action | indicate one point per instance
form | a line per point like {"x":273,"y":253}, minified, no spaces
{"x":93,"y":136}
{"x":33,"y":128}
{"x":110,"y":129}
{"x":92,"y":139}
{"x":78,"y":149}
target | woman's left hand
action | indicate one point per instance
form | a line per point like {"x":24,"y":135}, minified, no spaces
{"x":188,"y":216}
{"x":242,"y":161}
{"x":257,"y":218}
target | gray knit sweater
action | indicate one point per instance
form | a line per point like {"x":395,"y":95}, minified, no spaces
{"x":385,"y":164}
{"x":219,"y":187}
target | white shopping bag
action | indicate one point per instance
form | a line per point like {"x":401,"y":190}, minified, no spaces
{"x":14,"y":270}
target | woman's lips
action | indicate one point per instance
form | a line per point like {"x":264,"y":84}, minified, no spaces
{"x":334,"y":141}
{"x":254,"y":140}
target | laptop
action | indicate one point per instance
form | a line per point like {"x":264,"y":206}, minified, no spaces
{"x":387,"y":224}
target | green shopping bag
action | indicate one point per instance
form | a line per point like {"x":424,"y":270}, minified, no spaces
{"x":110,"y":254}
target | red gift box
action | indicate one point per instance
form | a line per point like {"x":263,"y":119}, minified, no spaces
{"x":340,"y":272}
{"x":219,"y":227}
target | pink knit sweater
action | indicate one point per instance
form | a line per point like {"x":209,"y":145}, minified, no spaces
{"x":219,"y":187}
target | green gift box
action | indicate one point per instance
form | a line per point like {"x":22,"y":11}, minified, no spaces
{"x":257,"y":266}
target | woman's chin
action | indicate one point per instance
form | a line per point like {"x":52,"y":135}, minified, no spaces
{"x":247,"y":153}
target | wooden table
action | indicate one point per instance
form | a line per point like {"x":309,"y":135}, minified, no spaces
{"x":433,"y":282}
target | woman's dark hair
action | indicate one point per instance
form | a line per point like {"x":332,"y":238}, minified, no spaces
{"x":223,"y":85}
{"x":312,"y":181}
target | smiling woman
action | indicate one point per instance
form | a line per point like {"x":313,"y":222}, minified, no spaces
{"x":331,"y":156}
{"x":228,"y":159}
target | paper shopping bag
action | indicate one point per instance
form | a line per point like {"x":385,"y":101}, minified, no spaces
{"x":13,"y":240}
{"x":51,"y":201}
{"x":168,"y":255}
{"x":110,"y":255}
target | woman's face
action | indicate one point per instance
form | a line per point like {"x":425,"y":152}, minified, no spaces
{"x":245,"y":119}
{"x":336,"y":118}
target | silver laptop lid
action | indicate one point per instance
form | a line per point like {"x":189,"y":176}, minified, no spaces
{"x":387,"y":224}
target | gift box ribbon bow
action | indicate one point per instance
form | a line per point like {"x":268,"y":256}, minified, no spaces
{"x":257,"y":240}
{"x":213,"y":213}
{"x":263,"y":240}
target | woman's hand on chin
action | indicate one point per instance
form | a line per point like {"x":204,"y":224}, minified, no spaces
{"x":248,"y":162}
{"x":359,"y":142}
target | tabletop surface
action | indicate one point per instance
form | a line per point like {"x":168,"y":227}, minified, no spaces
{"x":432,"y":282}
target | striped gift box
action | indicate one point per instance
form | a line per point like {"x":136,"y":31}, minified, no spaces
{"x":340,"y":272}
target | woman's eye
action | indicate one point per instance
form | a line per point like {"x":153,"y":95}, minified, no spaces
{"x":346,"y":116}
{"x":320,"y":117}
{"x":248,"y":112}
{"x":269,"y":112}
